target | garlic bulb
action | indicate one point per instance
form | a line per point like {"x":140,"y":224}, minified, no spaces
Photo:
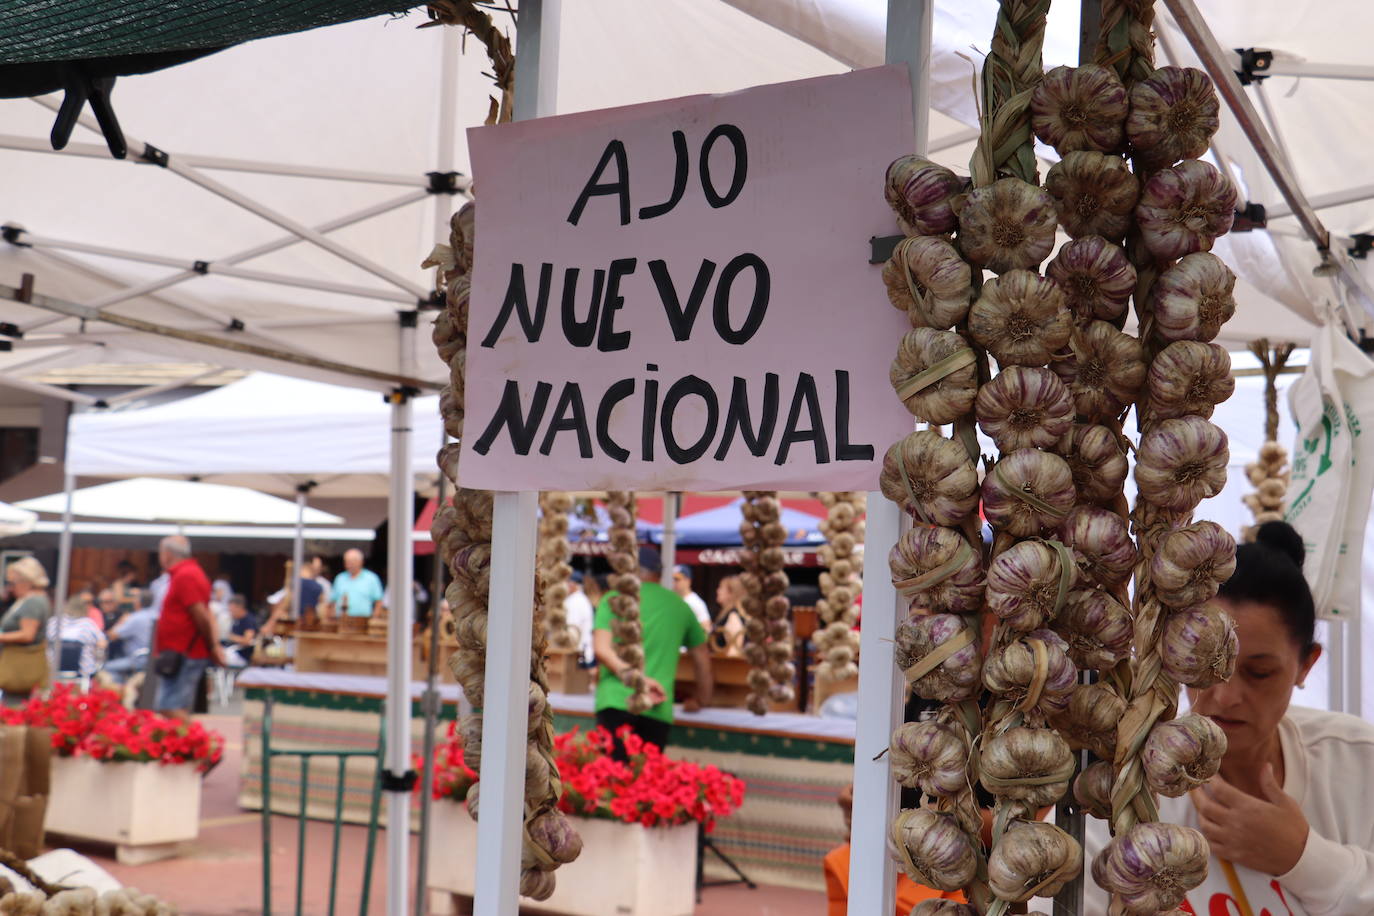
{"x":1075,"y":108}
{"x":1097,"y":462}
{"x":927,"y":279}
{"x":1104,"y":372}
{"x":1028,"y":765}
{"x":941,"y":907}
{"x":1184,"y":209}
{"x":1028,"y":491}
{"x":1270,"y":476}
{"x":930,"y":756}
{"x":1007,"y":225}
{"x":934,"y":375}
{"x":1028,"y":584}
{"x":930,"y":477}
{"x":1198,"y":646}
{"x":1152,"y":866}
{"x":939,"y":655}
{"x":1181,"y":462}
{"x":1090,"y":721}
{"x":1189,"y":377}
{"x":1092,"y":790}
{"x":1174,"y":114}
{"x":1101,"y":544}
{"x":1020,"y":318}
{"x":938,"y":571}
{"x":1033,"y":859}
{"x":1097,"y":629}
{"x":1182,"y":754}
{"x":1192,"y":299}
{"x":1096,"y":276}
{"x":932,"y":849}
{"x":1094,"y":194}
{"x":1190,"y":563}
{"x":921,"y":193}
{"x":1033,"y":672}
{"x":1023,"y":408}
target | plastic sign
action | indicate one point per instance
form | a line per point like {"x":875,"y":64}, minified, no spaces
{"x":677,"y":295}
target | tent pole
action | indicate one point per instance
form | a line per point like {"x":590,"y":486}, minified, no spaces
{"x":397,"y":774}
{"x":64,"y":551}
{"x":1335,"y":685}
{"x":513,"y":535}
{"x":47,"y":391}
{"x":448,"y":125}
{"x":298,"y":550}
{"x":872,"y":874}
{"x":668,"y":542}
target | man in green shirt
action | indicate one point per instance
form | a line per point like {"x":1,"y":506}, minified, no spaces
{"x":668,"y":625}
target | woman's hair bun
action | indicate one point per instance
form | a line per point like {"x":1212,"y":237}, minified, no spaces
{"x":1284,"y":538}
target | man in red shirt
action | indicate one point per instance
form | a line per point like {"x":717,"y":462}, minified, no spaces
{"x":186,"y":642}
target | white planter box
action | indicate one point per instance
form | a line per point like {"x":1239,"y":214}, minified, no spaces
{"x":145,"y":809}
{"x":624,"y":869}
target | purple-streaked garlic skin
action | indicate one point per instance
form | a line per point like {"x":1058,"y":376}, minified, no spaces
{"x":1033,"y":859}
{"x":1093,"y":789}
{"x":922,"y":550}
{"x":1182,"y":462}
{"x":1043,"y":476}
{"x":1021,"y":752}
{"x":1192,"y":299}
{"x":930,"y":477}
{"x":1104,"y":371}
{"x":1024,"y":583}
{"x":954,"y":679}
{"x":1094,"y":194}
{"x":941,"y":852}
{"x":1189,"y":377}
{"x":1007,"y":225}
{"x":928,"y":279}
{"x":1090,"y":721}
{"x":922,"y":194}
{"x":1174,"y":115}
{"x":1024,"y":408}
{"x":1021,"y":319}
{"x":1184,"y":209}
{"x":1097,"y":629}
{"x":945,"y":399}
{"x":1097,"y":277}
{"x":1152,"y":866}
{"x":1097,"y":462}
{"x":930,"y":756}
{"x":1080,"y":108}
{"x":1182,"y":754}
{"x":1011,"y":670}
{"x":1101,"y":542}
{"x":1191,"y":563}
{"x":1198,"y":646}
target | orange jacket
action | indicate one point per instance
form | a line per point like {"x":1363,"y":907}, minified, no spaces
{"x":909,"y":893}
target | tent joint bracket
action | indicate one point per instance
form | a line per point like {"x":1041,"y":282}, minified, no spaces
{"x":14,"y":235}
{"x":1254,"y":65}
{"x":443,"y":182}
{"x":154,"y":156}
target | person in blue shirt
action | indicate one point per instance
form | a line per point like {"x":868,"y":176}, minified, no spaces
{"x":357,"y":592}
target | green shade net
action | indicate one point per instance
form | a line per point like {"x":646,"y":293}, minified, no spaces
{"x":55,"y":30}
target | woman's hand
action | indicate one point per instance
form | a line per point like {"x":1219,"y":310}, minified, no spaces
{"x":1266,"y":834}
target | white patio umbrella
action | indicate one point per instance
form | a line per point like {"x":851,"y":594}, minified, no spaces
{"x":15,"y":521}
{"x":155,"y":500}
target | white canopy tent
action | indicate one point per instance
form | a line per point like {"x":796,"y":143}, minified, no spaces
{"x":155,"y":500}
{"x":322,"y":205}
{"x":15,"y":521}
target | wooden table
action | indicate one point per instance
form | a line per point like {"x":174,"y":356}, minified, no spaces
{"x":730,"y":675}
{"x":361,"y":653}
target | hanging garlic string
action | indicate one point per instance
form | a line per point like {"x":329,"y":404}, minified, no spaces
{"x":555,"y":571}
{"x":768,"y":633}
{"x":841,"y":584}
{"x":627,"y":629}
{"x":1269,"y":473}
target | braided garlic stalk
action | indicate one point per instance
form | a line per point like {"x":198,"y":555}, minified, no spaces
{"x":1270,"y":473}
{"x":555,"y":571}
{"x":841,"y":584}
{"x":769,"y":647}
{"x":625,"y":604}
{"x":462,"y":533}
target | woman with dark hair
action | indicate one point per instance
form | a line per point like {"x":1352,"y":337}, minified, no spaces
{"x":1286,"y":817}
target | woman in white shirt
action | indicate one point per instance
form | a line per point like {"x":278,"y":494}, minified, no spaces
{"x":1289,"y":828}
{"x":78,"y":628}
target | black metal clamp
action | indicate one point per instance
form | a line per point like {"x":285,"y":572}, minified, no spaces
{"x":81,"y":87}
{"x":398,"y":782}
{"x":1254,"y":65}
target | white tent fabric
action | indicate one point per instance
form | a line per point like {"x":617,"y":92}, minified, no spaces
{"x":268,"y":432}
{"x":15,"y":521}
{"x":156,"y":500}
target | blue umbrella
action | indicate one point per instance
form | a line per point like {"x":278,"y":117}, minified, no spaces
{"x":719,"y":527}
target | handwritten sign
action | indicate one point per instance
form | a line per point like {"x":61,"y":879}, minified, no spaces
{"x":676,"y":296}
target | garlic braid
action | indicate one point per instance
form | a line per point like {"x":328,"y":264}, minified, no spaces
{"x":769,"y":646}
{"x":1125,"y":40}
{"x":555,"y":570}
{"x":841,"y":584}
{"x":1270,"y":473}
{"x":625,"y":603}
{"x":1011,"y":69}
{"x":462,"y":534}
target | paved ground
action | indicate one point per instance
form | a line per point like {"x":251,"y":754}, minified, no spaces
{"x":222,"y":874}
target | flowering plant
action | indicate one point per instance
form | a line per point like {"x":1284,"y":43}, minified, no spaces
{"x":96,"y":725}
{"x":650,"y":788}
